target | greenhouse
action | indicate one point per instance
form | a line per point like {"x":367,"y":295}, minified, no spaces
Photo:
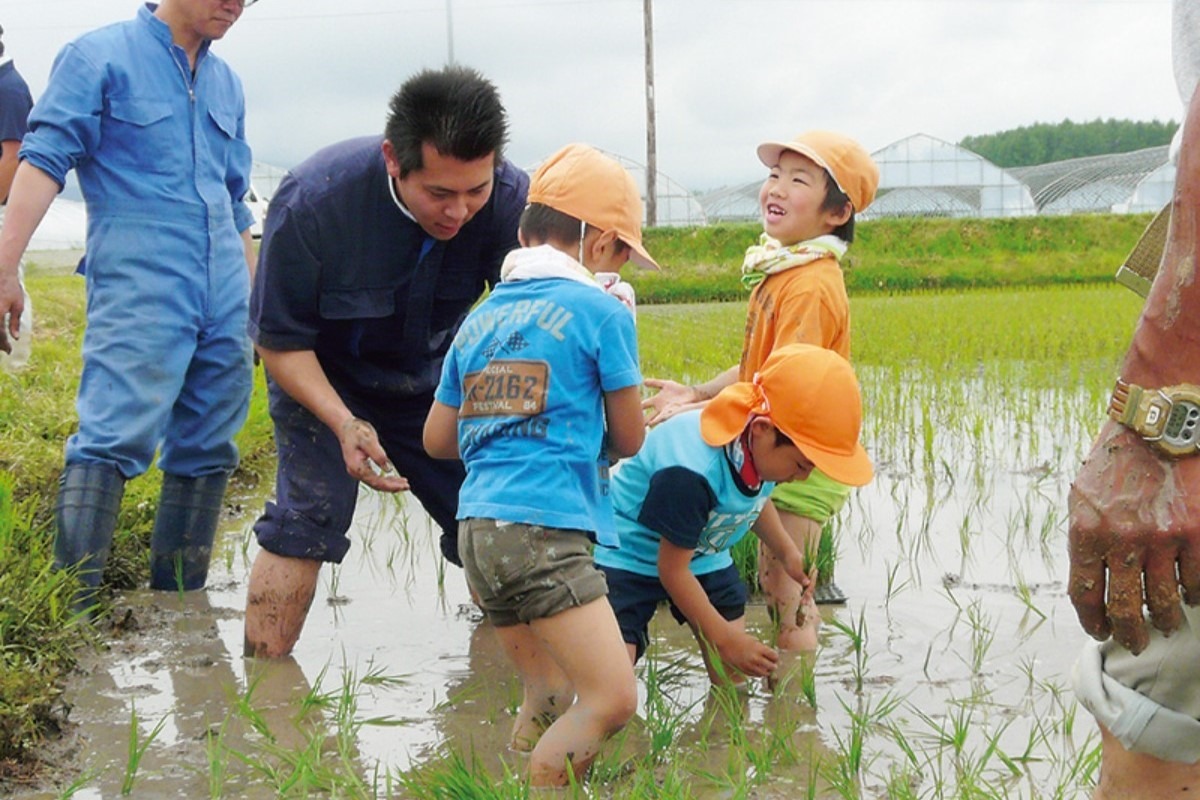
{"x":1154,"y":191}
{"x":265,"y":178}
{"x":1140,"y":181}
{"x":676,"y":206}
{"x":921,"y":176}
{"x":732,"y":203}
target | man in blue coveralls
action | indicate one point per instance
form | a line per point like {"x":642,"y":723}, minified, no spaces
{"x":153,"y":124}
{"x":373,"y":251}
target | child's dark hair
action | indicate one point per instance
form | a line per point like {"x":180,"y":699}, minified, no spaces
{"x":541,"y":223}
{"x":455,"y":109}
{"x":836,"y":200}
{"x":781,"y":438}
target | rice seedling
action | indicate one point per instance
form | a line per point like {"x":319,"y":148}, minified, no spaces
{"x":218,"y":760}
{"x":137,"y":748}
{"x":177,"y":568}
{"x":78,"y":784}
{"x":663,"y":717}
{"x":856,"y":633}
{"x":983,"y":634}
{"x":845,"y":773}
{"x":333,"y":590}
{"x":797,"y":673}
{"x":320,"y":755}
{"x":726,"y":717}
{"x":894,"y":585}
{"x":1025,"y":593}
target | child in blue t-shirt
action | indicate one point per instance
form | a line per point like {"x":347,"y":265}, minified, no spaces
{"x":539,"y":391}
{"x":704,"y":478}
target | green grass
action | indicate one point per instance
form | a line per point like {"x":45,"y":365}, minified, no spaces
{"x":900,"y":255}
{"x":37,"y":646}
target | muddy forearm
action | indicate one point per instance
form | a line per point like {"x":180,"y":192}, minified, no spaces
{"x":1166,"y":343}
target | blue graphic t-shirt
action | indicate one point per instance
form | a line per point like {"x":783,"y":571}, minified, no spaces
{"x":682,"y":489}
{"x":527,"y":372}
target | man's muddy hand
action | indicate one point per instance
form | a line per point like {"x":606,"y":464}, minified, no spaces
{"x":365,"y":458}
{"x":1134,"y":539}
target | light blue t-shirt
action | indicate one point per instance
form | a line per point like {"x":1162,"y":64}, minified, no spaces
{"x":528,"y":371}
{"x":680,"y":488}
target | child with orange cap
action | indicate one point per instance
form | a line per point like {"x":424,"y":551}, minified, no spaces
{"x":818,"y":182}
{"x":540,"y":390}
{"x":705,"y":477}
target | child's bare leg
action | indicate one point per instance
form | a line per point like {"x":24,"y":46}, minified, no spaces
{"x":587,"y":645}
{"x":783,"y":593}
{"x":547,"y":690}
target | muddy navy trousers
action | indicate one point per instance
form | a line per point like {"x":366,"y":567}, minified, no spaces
{"x":314,"y":495}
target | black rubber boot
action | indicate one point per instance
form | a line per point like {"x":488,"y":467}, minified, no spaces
{"x":89,"y":497}
{"x":189,"y":510}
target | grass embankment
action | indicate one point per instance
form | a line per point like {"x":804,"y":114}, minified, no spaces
{"x":37,"y":637}
{"x":898,"y":255}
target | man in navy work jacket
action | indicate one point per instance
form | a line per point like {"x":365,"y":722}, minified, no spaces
{"x":372,"y":253}
{"x":153,"y":123}
{"x":15,"y":103}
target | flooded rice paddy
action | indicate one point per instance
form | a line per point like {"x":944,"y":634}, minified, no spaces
{"x":945,"y":675}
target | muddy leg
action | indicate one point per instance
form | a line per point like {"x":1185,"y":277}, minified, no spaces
{"x":277,"y":601}
{"x":796,"y":632}
{"x":586,"y":643}
{"x":548,"y":691}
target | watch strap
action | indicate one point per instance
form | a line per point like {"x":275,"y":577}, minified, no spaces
{"x":1123,"y":404}
{"x":1167,"y":418}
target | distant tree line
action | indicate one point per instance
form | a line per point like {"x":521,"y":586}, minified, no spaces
{"x":1044,"y":142}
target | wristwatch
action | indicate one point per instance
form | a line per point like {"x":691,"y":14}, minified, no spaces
{"x":1167,"y":418}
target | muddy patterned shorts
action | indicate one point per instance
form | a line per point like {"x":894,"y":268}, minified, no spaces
{"x":527,"y":572}
{"x":1150,"y":702}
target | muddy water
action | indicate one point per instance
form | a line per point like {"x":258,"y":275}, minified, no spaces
{"x":954,"y":572}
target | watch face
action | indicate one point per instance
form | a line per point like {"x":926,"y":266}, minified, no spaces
{"x":1182,"y":431}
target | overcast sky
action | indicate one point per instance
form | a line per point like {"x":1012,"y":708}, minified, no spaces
{"x":728,"y":73}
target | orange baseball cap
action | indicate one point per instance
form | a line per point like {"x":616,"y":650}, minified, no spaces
{"x":581,"y":181}
{"x":809,"y":393}
{"x":852,"y":168}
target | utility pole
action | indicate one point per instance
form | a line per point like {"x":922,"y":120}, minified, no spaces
{"x":651,"y":155}
{"x":449,"y":35}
